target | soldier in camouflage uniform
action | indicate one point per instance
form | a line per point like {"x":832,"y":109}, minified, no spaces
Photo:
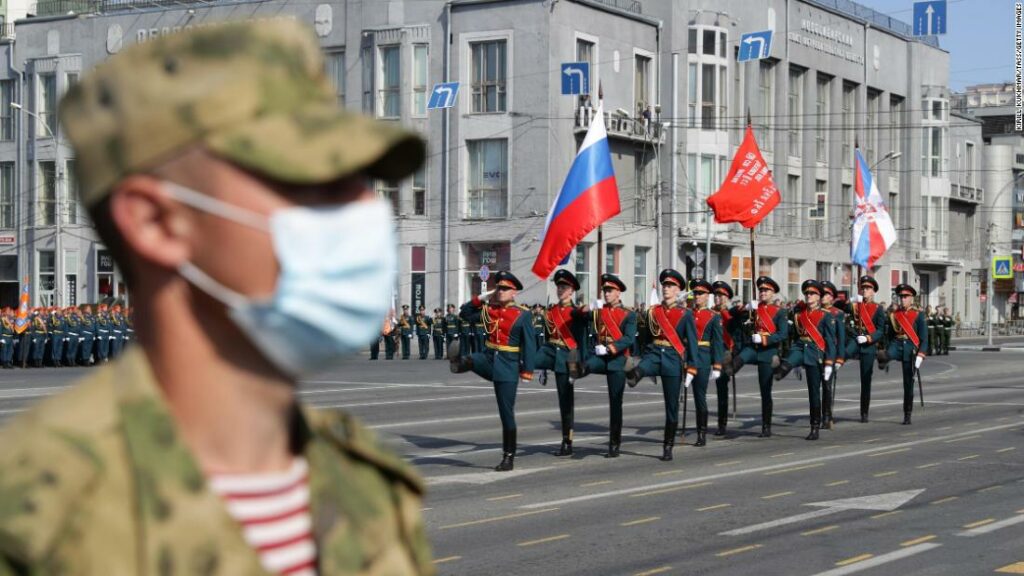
{"x":115,"y":476}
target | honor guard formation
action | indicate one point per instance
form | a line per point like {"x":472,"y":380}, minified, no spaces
{"x":695,"y":336}
{"x":64,"y":337}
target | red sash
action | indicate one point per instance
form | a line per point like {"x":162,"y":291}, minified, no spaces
{"x":562,"y":326}
{"x":610,"y":323}
{"x":766,"y":318}
{"x":726,"y":317}
{"x":906,"y":319}
{"x":810,"y":325}
{"x":866,"y":315}
{"x":668,"y":330}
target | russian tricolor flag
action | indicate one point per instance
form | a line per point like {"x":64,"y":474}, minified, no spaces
{"x":873,"y":232}
{"x":588,"y":197}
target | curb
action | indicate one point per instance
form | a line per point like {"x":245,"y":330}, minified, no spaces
{"x":986,"y":349}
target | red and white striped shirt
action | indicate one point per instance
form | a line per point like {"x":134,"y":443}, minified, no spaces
{"x":273,"y":510}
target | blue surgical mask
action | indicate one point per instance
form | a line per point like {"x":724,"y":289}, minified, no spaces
{"x":337,"y":271}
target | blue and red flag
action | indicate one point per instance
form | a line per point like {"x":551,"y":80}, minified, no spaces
{"x":873,"y":232}
{"x":588,"y":197}
{"x":21,"y":320}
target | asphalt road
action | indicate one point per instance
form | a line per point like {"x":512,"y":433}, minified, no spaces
{"x":943,"y":496}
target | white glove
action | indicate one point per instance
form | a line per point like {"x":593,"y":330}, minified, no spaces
{"x":837,"y":366}
{"x":688,"y":381}
{"x":600,"y":350}
{"x":755,"y":338}
{"x":716,"y":374}
{"x":862,"y":339}
{"x":828,"y":372}
{"x":486,"y":295}
{"x":752,"y":305}
{"x":918,"y":362}
{"x":858,"y":298}
{"x":597,"y":304}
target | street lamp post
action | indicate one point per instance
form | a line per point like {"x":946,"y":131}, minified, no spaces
{"x":58,"y":268}
{"x":987,"y":263}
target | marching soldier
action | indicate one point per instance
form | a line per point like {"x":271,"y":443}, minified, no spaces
{"x":869,"y":326}
{"x":405,"y":332}
{"x":437,"y":329}
{"x":815,"y":347}
{"x":423,"y":324}
{"x":509,"y":356}
{"x":909,"y":329}
{"x":670,"y":352}
{"x":566,"y":331}
{"x":770,"y":328}
{"x":732,"y":334}
{"x":615,"y":330}
{"x":451,"y":326}
{"x":708,"y":355}
{"x":829,"y":293}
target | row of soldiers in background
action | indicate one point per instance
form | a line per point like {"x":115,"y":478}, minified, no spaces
{"x":940,"y":329}
{"x":62,"y":337}
{"x":441,"y":329}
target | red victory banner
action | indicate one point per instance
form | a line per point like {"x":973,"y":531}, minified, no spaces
{"x":748,"y":193}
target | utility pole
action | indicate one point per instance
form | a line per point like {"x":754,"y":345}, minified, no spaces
{"x":990,"y":252}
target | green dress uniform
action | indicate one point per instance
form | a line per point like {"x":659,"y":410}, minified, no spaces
{"x":909,"y":339}
{"x":437,"y":330}
{"x":508,"y":356}
{"x":947,"y":332}
{"x":423,"y":325}
{"x":7,"y":339}
{"x":451,"y":327}
{"x":640,"y":341}
{"x":98,"y":480}
{"x":56,"y":329}
{"x":405,"y":332}
{"x":539,"y":326}
{"x":39,"y":338}
{"x":708,"y":357}
{"x":390,"y":333}
{"x":732,"y":320}
{"x":87,"y":331}
{"x":814,"y":348}
{"x":932,"y":323}
{"x":838,"y":320}
{"x":466,"y":339}
{"x":614,"y":327}
{"x":772,"y":325}
{"x":869,"y":323}
{"x":74,"y":328}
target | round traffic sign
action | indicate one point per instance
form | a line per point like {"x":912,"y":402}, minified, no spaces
{"x":485,"y":273}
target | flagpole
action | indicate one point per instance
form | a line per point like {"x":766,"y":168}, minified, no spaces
{"x":600,"y":253}
{"x":753,"y":258}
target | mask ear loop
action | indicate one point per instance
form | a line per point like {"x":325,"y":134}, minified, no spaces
{"x":217,"y":207}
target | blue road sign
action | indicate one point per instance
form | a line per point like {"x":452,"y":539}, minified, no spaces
{"x":485,"y":273}
{"x":755,"y":45}
{"x":575,"y":78}
{"x":1002,"y":267}
{"x":444,"y":95}
{"x":929,"y":18}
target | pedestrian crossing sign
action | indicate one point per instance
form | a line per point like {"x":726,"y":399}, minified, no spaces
{"x":1002,"y":267}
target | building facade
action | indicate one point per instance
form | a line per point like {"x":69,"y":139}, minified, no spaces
{"x":675,"y":103}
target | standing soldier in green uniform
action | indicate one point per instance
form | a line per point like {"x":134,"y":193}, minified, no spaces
{"x":509,"y":356}
{"x":7,"y":338}
{"x":566,"y":331}
{"x":770,"y":328}
{"x":57,"y":331}
{"x":40,"y":337}
{"x":451,"y":326}
{"x":233,"y":192}
{"x":909,"y":330}
{"x":437,"y":330}
{"x":829,"y":293}
{"x":708,"y":357}
{"x":947,"y":330}
{"x":390,"y":333}
{"x":814,"y":348}
{"x":73,"y":326}
{"x":87,"y":330}
{"x":103,"y":334}
{"x":479,"y":335}
{"x":466,"y":339}
{"x":932,"y":323}
{"x":423,"y":324}
{"x":614,"y":327}
{"x":670,"y":353}
{"x":732,"y":319}
{"x":405,"y":332}
{"x":869,"y":321}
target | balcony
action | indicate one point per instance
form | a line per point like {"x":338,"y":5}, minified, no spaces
{"x":966,"y":194}
{"x":635,"y":129}
{"x":7,"y":31}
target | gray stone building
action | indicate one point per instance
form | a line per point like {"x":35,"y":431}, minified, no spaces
{"x":675,"y":102}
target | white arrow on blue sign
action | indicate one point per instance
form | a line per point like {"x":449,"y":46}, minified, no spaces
{"x":444,"y":95}
{"x":755,"y":46}
{"x":575,"y":78}
{"x":930,"y":18}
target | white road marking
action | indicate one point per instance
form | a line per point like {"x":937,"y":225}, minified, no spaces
{"x":881,"y":502}
{"x":991,"y":527}
{"x":481,"y":478}
{"x":880,"y":560}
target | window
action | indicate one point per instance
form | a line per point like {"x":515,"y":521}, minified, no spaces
{"x":6,"y":112}
{"x":391,"y":192}
{"x":691,"y":91}
{"x":585,"y":52}
{"x":104,"y":274}
{"x":691,"y":45}
{"x":640,"y":284}
{"x":849,"y":126}
{"x":419,"y":191}
{"x":934,"y":134}
{"x":390,"y":81}
{"x":871,"y":137}
{"x":709,"y":42}
{"x":895,"y":134}
{"x":418,"y":276}
{"x":7,"y":195}
{"x":489,"y":76}
{"x":643,"y":195}
{"x":495,"y":255}
{"x":70,"y":279}
{"x":47,"y":105}
{"x":794,"y":279}
{"x":334,"y":65}
{"x":707,"y":86}
{"x":796,"y":96}
{"x":487,"y":196}
{"x":707,"y":98}
{"x":766,"y":97}
{"x":969,"y":169}
{"x":581,"y":264}
{"x":707,"y":177}
{"x":821,"y":118}
{"x":47,"y":272}
{"x":823,"y":271}
{"x":420,"y":65}
{"x":641,"y":83}
{"x":611,"y":258}
{"x":69,"y":210}
{"x":819,"y":211}
{"x":741,"y":282}
{"x":366,"y":56}
{"x":46,"y":201}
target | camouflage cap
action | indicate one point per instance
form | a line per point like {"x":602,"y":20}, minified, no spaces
{"x":254,"y":93}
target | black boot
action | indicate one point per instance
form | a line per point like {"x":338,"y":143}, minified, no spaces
{"x":906,"y":418}
{"x":566,"y":448}
{"x":701,"y":437}
{"x":814,"y":432}
{"x":783,"y":369}
{"x":737,"y":363}
{"x":702,"y":429}
{"x":614,"y":441}
{"x":722,"y":421}
{"x":457,"y":362}
{"x":632,"y":372}
{"x":508,"y":451}
{"x":863,"y":417}
{"x":766,"y":424}
{"x":666,"y":448}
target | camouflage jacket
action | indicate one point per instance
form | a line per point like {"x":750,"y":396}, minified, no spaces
{"x":98,"y":481}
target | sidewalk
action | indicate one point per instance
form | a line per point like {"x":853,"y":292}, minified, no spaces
{"x":980,"y":344}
